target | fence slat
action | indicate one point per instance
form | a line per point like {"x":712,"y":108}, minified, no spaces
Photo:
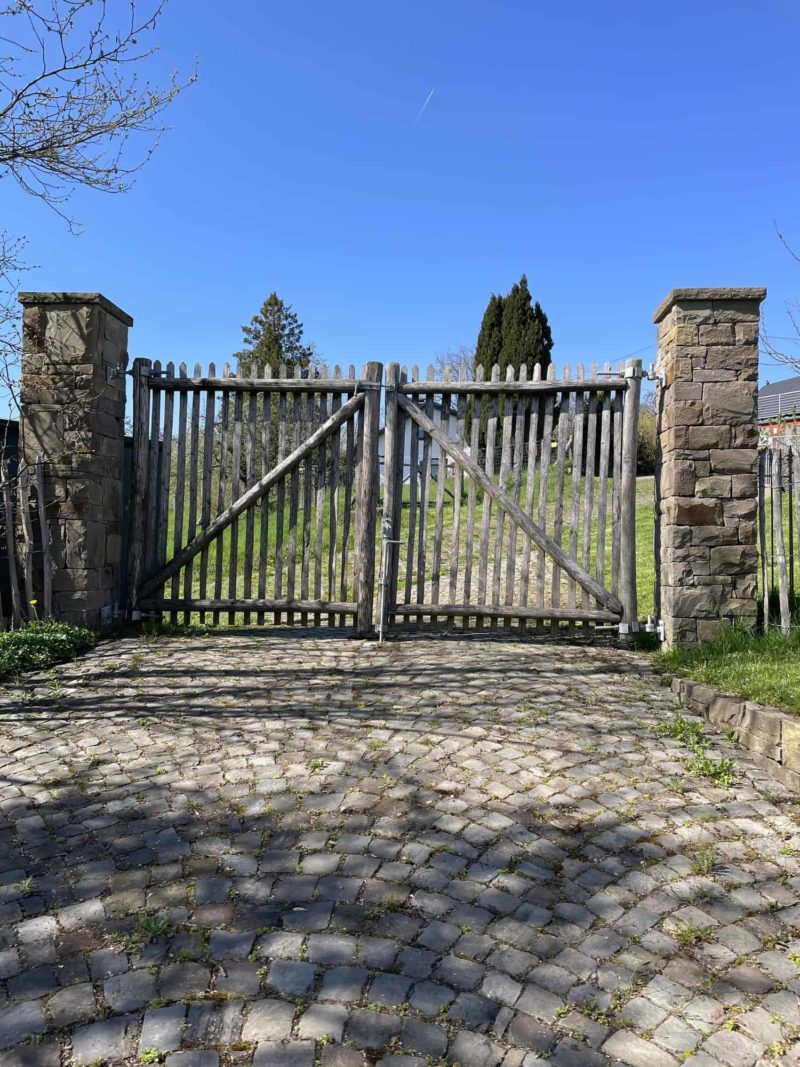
{"x":294,"y":500}
{"x":24,"y":494}
{"x":780,"y":546}
{"x":508,"y":405}
{"x":205,"y":496}
{"x":486,"y":514}
{"x":139,"y":473}
{"x":280,"y":500}
{"x":544,"y":478}
{"x":533,"y":437}
{"x":349,"y":481}
{"x":11,"y":548}
{"x":322,"y":477}
{"x":222,"y":492}
{"x":44,"y":530}
{"x":616,"y":494}
{"x":333,"y":515}
{"x":602,"y":492}
{"x":588,"y":495}
{"x":564,"y":428}
{"x":263,"y":511}
{"x":577,"y":475}
{"x":458,"y":483}
{"x":441,"y":479}
{"x":180,"y":481}
{"x":472,"y":489}
{"x":152,"y":476}
{"x":413,"y":431}
{"x":521,"y":407}
{"x":764,"y":467}
{"x":165,"y":474}
{"x":250,"y":516}
{"x":424,"y":500}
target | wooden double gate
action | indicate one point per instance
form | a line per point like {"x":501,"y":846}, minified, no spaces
{"x":323,"y":499}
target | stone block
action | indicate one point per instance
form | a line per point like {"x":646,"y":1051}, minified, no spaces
{"x":708,"y":630}
{"x":677,"y":479}
{"x":687,"y":602}
{"x":729,"y":402}
{"x":708,"y":437}
{"x":716,"y":334}
{"x":682,"y":413}
{"x":734,"y":460}
{"x":746,"y":333}
{"x":687,"y":511}
{"x":744,"y":486}
{"x":715,"y":486}
{"x":790,"y":744}
{"x":741,"y":359}
{"x":685,"y":334}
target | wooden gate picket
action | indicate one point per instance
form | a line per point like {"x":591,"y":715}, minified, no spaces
{"x":507,"y":502}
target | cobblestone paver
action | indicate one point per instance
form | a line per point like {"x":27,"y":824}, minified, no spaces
{"x":274,"y":850}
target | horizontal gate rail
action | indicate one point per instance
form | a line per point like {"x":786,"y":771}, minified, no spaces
{"x":505,"y":611}
{"x":323,"y":607}
{"x":584,"y":385}
{"x":536,"y":533}
{"x":261,"y":385}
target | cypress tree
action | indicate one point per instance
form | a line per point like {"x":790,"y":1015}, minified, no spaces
{"x":490,"y":338}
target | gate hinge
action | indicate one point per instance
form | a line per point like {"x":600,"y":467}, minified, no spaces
{"x":654,"y":375}
{"x":633,"y":372}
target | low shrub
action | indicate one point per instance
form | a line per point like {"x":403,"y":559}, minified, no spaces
{"x":41,"y":644}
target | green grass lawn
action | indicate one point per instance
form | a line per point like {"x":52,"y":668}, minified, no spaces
{"x":241,"y":580}
{"x":761,"y":667}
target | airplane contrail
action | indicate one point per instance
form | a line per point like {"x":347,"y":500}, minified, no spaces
{"x":424,"y":106}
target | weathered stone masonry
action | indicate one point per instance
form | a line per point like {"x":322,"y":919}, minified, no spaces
{"x":75,"y":352}
{"x":707,"y":468}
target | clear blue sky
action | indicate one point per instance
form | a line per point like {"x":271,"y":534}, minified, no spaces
{"x":609,"y":150}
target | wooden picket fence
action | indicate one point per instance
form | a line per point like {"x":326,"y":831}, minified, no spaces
{"x":779,"y":534}
{"x":26,"y":564}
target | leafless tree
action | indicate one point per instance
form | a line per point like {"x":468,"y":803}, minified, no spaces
{"x":788,"y":350}
{"x":456,"y":361}
{"x":74,"y":112}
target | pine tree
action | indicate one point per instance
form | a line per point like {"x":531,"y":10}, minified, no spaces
{"x":514,"y":333}
{"x":275,"y":336}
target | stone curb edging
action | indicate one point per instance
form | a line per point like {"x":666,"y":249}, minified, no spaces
{"x":771,"y":736}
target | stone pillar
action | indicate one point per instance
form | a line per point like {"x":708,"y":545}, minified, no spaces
{"x":72,"y":401}
{"x":707,"y":465}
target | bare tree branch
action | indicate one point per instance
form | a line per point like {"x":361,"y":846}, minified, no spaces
{"x":71,"y":98}
{"x":74,"y":112}
{"x":456,"y":361}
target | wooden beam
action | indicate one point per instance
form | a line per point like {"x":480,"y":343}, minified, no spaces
{"x":251,"y":496}
{"x":254,"y":604}
{"x":367,"y":501}
{"x":588,"y":385}
{"x":525,"y":523}
{"x":259,"y":385}
{"x":506,"y":611}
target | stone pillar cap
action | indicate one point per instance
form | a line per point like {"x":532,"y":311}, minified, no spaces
{"x":36,"y":299}
{"x":677,"y":295}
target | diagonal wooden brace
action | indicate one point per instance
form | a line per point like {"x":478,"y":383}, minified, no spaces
{"x":513,"y":510}
{"x":251,"y":496}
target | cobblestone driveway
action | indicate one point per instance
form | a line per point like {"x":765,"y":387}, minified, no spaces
{"x":295,"y":851}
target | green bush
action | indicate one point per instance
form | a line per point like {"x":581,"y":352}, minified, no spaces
{"x":41,"y":644}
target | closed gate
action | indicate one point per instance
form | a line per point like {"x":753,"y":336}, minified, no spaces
{"x":259,"y":497}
